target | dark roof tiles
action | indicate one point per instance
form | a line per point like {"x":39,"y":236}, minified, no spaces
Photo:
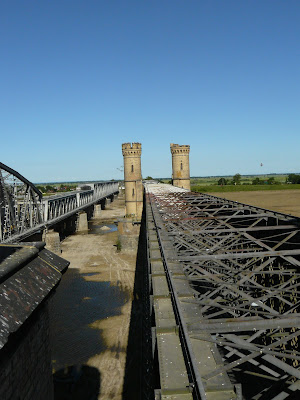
{"x":25,"y":283}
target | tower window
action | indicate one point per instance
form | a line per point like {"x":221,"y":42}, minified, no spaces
{"x":132,"y":168}
{"x":132,"y":192}
{"x":181,"y":166}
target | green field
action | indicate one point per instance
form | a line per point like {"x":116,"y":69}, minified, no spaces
{"x":266,"y":182}
{"x":245,"y":179}
{"x":240,"y":188}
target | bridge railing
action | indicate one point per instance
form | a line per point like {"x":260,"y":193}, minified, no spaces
{"x":59,"y":206}
{"x":24,"y":211}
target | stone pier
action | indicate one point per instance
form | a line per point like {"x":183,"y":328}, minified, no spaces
{"x":128,"y":234}
{"x":52,"y":240}
{"x":82,"y":222}
{"x":97,"y":211}
{"x":103,"y":204}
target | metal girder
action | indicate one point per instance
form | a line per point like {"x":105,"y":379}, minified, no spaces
{"x":24,"y":211}
{"x":242,"y":266}
{"x":20,"y":204}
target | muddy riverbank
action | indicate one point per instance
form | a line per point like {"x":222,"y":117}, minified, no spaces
{"x":91,"y":312}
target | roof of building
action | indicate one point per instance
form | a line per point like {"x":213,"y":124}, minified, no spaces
{"x":28,"y":274}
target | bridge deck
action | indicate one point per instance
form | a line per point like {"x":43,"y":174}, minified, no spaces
{"x":225,"y":280}
{"x":24,"y":211}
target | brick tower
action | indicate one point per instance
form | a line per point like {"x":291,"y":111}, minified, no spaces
{"x":180,"y":165}
{"x":133,"y":179}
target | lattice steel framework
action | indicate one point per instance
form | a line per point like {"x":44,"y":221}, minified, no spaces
{"x":60,"y":207}
{"x":242,"y":264}
{"x":20,"y":204}
{"x":23,"y":211}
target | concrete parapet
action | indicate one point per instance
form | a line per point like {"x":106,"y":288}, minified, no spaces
{"x":132,"y":149}
{"x":82,"y":222}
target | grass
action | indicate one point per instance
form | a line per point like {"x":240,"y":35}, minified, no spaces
{"x":245,"y":179}
{"x":209,"y":184}
{"x":240,"y":188}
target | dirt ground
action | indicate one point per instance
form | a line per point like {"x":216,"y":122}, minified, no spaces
{"x":285,"y":201}
{"x":98,"y":253}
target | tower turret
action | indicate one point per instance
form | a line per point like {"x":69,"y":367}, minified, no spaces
{"x":180,"y":165}
{"x":133,"y":179}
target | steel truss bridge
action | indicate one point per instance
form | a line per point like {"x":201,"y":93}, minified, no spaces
{"x":224,"y":279}
{"x":24,"y":211}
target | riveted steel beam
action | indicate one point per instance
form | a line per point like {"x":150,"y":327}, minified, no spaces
{"x":242,"y":265}
{"x":24,"y":211}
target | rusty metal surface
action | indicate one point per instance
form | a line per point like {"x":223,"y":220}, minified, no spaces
{"x":242,"y":264}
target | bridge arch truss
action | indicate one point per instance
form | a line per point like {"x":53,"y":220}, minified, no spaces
{"x":20,"y":204}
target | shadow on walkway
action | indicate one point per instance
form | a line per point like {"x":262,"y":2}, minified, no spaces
{"x":137,"y":380}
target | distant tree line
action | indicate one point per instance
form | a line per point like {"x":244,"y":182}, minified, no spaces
{"x":293,"y":178}
{"x":236,"y":180}
{"x":269,"y":181}
{"x":54,"y":188}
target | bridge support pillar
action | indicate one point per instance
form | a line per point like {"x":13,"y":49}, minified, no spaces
{"x":97,"y":210}
{"x":103,"y":204}
{"x":52,"y":240}
{"x":128,"y":234}
{"x":82,"y":222}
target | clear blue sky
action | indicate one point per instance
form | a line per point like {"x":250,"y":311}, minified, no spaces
{"x":79,"y":78}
